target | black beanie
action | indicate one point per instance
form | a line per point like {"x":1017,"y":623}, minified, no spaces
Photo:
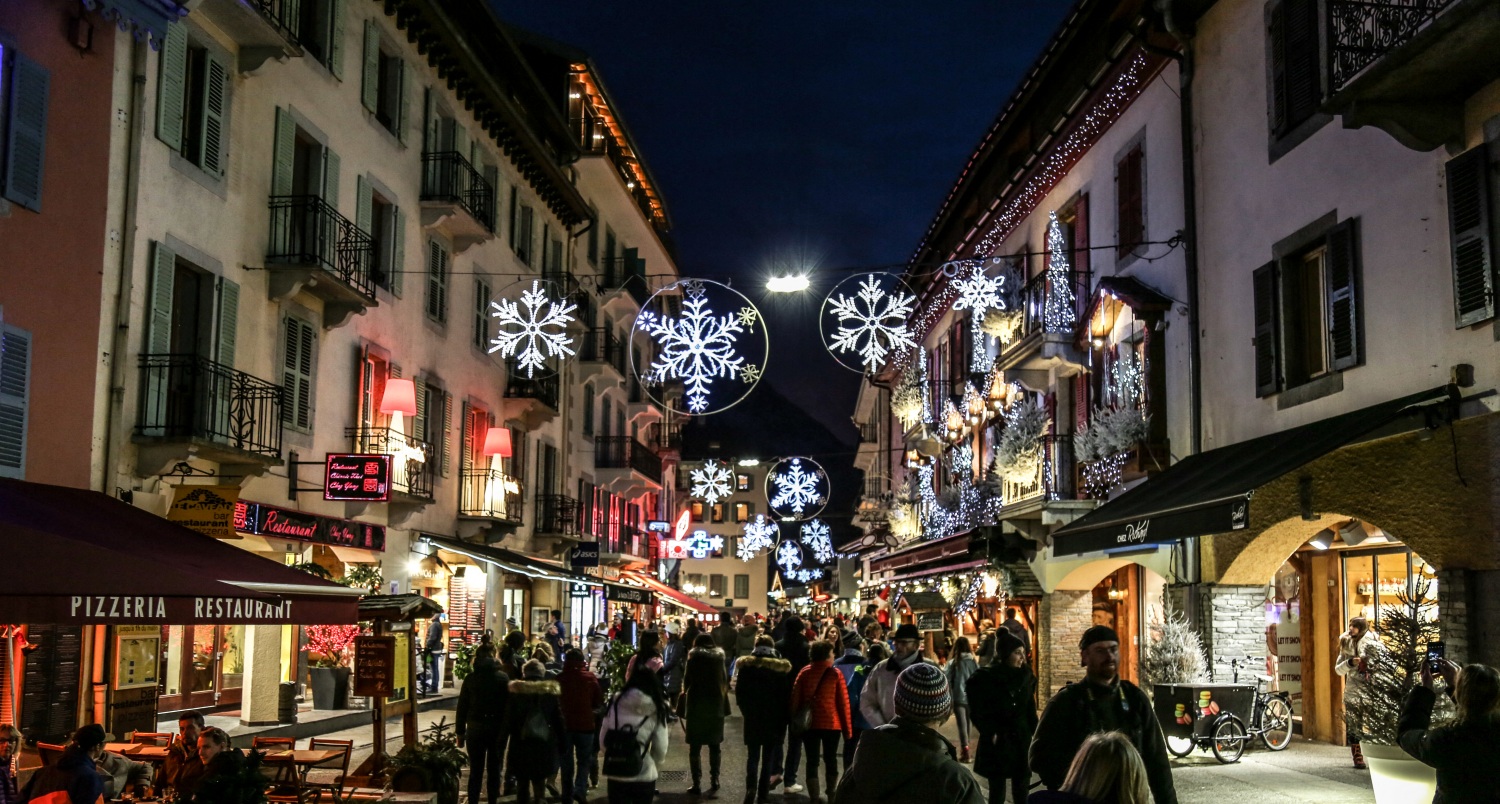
{"x":1006,"y":644}
{"x":1098,"y":633}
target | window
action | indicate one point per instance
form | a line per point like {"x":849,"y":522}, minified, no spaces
{"x":605,"y":417}
{"x":299,"y":344}
{"x":383,"y":86}
{"x":741,"y":482}
{"x":481,"y":315}
{"x":378,"y":216}
{"x":1295,"y":78}
{"x":375,"y":368}
{"x":715,"y":585}
{"x":1307,"y":311}
{"x":1471,"y":242}
{"x":15,"y":383}
{"x":520,"y":226}
{"x":609,"y":256}
{"x":555,"y":263}
{"x":695,"y":579}
{"x":23,"y":90}
{"x":697,"y":511}
{"x":588,"y":409}
{"x":434,"y":421}
{"x":743,"y":511}
{"x":193,"y":102}
{"x":1130,"y":202}
{"x":741,"y":587}
{"x":321,"y":32}
{"x":718,"y":512}
{"x":593,"y":244}
{"x":437,"y":282}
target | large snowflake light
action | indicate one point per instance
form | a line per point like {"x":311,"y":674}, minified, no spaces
{"x":788,"y":556}
{"x":801,"y":488}
{"x":871,"y":322}
{"x":815,"y":537}
{"x":699,"y":347}
{"x":712,"y":482}
{"x":760,"y":534}
{"x":543,"y":325}
{"x":703,"y":545}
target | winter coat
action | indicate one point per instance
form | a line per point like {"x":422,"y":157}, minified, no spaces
{"x":763,"y":685}
{"x":1001,"y":703}
{"x":746,"y":641}
{"x":726,"y":638}
{"x":1356,"y":680}
{"x":183,"y":770}
{"x":857,"y":678}
{"x":73,"y":774}
{"x":705,"y":696}
{"x":581,"y":697}
{"x":597,"y":645}
{"x":635,"y":710}
{"x":221,"y":783}
{"x":1462,"y":753}
{"x":823,"y":686}
{"x":481,"y":700}
{"x":434,"y":642}
{"x":793,"y":648}
{"x":905,"y":761}
{"x":1084,"y":708}
{"x":121,"y":774}
{"x":846,"y":665}
{"x":673,"y":654}
{"x":986,"y":651}
{"x":877,"y":701}
{"x":651,"y":661}
{"x":535,"y":758}
{"x":961,"y":667}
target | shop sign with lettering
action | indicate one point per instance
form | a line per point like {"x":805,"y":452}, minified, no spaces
{"x":360,"y":478}
{"x":628,"y":594}
{"x":281,"y":523}
{"x":585,"y":554}
{"x":206,"y":509}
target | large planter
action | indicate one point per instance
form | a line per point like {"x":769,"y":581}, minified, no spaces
{"x":1396,"y":776}
{"x":330,"y":687}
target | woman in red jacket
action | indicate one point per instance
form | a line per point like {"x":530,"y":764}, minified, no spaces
{"x":821,"y":686}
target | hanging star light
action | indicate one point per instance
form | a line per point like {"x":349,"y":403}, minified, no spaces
{"x":700,"y":347}
{"x":1058,"y":314}
{"x":543,"y":325}
{"x":871,"y":322}
{"x":703,"y":545}
{"x":711,"y":483}
{"x":760,"y":534}
{"x":815,"y":537}
{"x":801,"y":488}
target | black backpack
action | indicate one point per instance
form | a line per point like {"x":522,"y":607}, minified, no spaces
{"x":624,"y":755}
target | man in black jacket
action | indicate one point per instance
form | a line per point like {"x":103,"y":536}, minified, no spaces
{"x":435,"y":647}
{"x":1101,"y":702}
{"x":481,"y":712}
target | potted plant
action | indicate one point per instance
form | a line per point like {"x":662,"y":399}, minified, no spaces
{"x":328,"y":653}
{"x":431,"y":765}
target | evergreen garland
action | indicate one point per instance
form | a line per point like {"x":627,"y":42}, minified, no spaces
{"x":1018,"y":455}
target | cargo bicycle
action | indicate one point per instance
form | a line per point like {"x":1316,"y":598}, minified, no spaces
{"x":1225,"y":734}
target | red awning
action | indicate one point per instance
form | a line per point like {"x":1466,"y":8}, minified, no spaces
{"x":672,"y":596}
{"x":81,"y":557}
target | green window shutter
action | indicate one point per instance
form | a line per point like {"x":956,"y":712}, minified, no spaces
{"x":419,"y":423}
{"x":447,"y":461}
{"x":331,"y":177}
{"x":515,"y":215}
{"x":336,"y":38}
{"x":1277,"y":35}
{"x":1343,"y":295}
{"x":15,"y":382}
{"x":481,"y":314}
{"x":228,"y":322}
{"x":171,"y":87}
{"x":163,"y":274}
{"x":466,"y":454}
{"x":284,"y":162}
{"x":460,"y":140}
{"x":429,"y":120}
{"x":492,"y":178}
{"x":215,"y":104}
{"x":403,"y":107}
{"x":557,"y":256}
{"x":297,"y":373}
{"x":1267,"y":329}
{"x":26,"y":146}
{"x":370,"y":85}
{"x":362,"y":203}
{"x":398,"y":250}
{"x":1471,"y":246}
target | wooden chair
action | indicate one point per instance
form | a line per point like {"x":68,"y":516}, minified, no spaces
{"x":157,"y":738}
{"x":284,"y":782}
{"x":49,"y":753}
{"x":273,"y":743}
{"x":332,"y":775}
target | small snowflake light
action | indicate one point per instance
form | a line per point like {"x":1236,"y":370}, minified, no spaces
{"x":870,"y":323}
{"x":788,"y":556}
{"x":760,"y":534}
{"x":711,"y":483}
{"x":702,"y":545}
{"x":700,"y":348}
{"x":1058,"y":314}
{"x":980,"y":294}
{"x":535,"y":324}
{"x":815,"y":537}
{"x":807,"y":574}
{"x":796,"y":488}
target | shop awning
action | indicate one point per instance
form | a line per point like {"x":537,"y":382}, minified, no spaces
{"x":1210,"y":492}
{"x":519,"y":563}
{"x":82,"y":557}
{"x":673,"y":597}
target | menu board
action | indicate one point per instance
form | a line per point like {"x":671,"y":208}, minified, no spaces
{"x":362,"y":478}
{"x":929,"y":621}
{"x":374,"y":666}
{"x":49,"y":703}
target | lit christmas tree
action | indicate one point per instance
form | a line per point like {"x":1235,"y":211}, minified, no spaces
{"x":1058,"y":314}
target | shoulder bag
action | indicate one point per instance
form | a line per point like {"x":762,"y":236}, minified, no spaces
{"x":802,"y":718}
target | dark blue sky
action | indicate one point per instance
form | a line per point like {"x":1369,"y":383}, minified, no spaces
{"x":812,"y":132}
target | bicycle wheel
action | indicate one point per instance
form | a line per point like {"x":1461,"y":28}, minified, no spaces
{"x":1276,"y":724}
{"x":1179,"y":746}
{"x":1229,"y":739}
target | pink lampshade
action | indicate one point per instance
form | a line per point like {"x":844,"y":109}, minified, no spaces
{"x":497,"y":442}
{"x":400,"y":397}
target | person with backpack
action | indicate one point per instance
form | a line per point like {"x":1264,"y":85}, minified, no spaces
{"x":534,"y":723}
{"x":961,"y":667}
{"x":763,"y":683}
{"x":705,"y":704}
{"x":793,"y":647}
{"x":481,"y":713}
{"x":820,"y":713}
{"x":582,"y":699}
{"x":848,"y":666}
{"x":634,"y":736}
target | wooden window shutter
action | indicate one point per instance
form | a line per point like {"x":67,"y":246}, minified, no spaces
{"x":1303,"y":67}
{"x":370,"y":83}
{"x":295,"y":376}
{"x":331,"y":178}
{"x":1472,"y":248}
{"x":283,"y":165}
{"x":163,"y":275}
{"x":1129,"y":228}
{"x":215,"y":106}
{"x":26,"y":142}
{"x":1081,"y":251}
{"x":15,"y":383}
{"x":363,"y":203}
{"x":1278,"y":91}
{"x":403,"y":102}
{"x":1343,"y":295}
{"x":171,"y":87}
{"x":437,"y":281}
{"x":492,"y":178}
{"x":335,"y":38}
{"x":470,"y":438}
{"x":557,"y":255}
{"x":398,"y":250}
{"x":429,"y":120}
{"x":227,"y":325}
{"x":1267,"y":330}
{"x":418,"y":427}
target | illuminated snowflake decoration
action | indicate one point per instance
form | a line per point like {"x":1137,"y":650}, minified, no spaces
{"x":872,"y":323}
{"x":525,"y":334}
{"x":760,"y":534}
{"x":801,"y":492}
{"x":703,"y":545}
{"x":815,"y":537}
{"x":980,"y":294}
{"x":712,"y":482}
{"x":788,"y":556}
{"x":699,"y":347}
{"x":805,"y":575}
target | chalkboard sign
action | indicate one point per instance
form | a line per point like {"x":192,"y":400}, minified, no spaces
{"x":929,"y":621}
{"x":374,"y":666}
{"x":49,"y":706}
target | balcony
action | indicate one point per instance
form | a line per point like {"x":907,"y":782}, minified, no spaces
{"x":623,"y":280}
{"x":627,"y":550}
{"x":315,"y":249}
{"x":1408,"y":66}
{"x":191,"y":406}
{"x":533,"y":400}
{"x":639,"y":405}
{"x":664,"y":437}
{"x":603,"y":357}
{"x":413,"y":461}
{"x":263,"y":29}
{"x":491,"y":494}
{"x":558,"y":515}
{"x":457,"y":201}
{"x":625,"y":466}
{"x":1046,"y":496}
{"x":1041,"y":341}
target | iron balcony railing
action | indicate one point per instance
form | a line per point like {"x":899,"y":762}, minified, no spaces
{"x":1051,"y":307}
{"x":602,"y":345}
{"x":491,"y":493}
{"x":414,"y":461}
{"x":542,"y":389}
{"x":306,"y":230}
{"x":447,"y":176}
{"x":558,"y":514}
{"x":624,"y":452}
{"x":1052,"y":479}
{"x":869,"y":432}
{"x":187,"y":396}
{"x":663,"y":436}
{"x":1360,"y":32}
{"x":283,"y":15}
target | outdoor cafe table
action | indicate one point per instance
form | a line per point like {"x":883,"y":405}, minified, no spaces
{"x":303,"y":758}
{"x":139,"y":752}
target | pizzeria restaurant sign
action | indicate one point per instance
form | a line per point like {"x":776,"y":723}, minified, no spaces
{"x":275,"y":522}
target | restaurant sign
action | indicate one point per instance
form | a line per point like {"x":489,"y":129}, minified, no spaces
{"x":282,"y":523}
{"x":357,"y":478}
{"x":628,"y":594}
{"x":206,"y":509}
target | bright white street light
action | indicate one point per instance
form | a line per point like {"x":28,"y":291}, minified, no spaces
{"x":792,"y":283}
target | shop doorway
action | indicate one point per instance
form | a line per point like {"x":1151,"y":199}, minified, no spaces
{"x":1129,"y":601}
{"x":203,"y":666}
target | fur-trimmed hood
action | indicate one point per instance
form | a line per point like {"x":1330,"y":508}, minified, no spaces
{"x":714,"y":651}
{"x":774,"y":664}
{"x":524,"y":687}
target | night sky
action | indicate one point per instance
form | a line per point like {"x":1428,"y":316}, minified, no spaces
{"x":801,"y":134}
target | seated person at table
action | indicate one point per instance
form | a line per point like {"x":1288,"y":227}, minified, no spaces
{"x":184,"y":769}
{"x":72,"y":779}
{"x":10,"y":746}
{"x":122,"y":773}
{"x":222,"y":781}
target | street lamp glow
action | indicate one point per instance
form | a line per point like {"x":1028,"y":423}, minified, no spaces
{"x":792,"y":283}
{"x":749,"y":462}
